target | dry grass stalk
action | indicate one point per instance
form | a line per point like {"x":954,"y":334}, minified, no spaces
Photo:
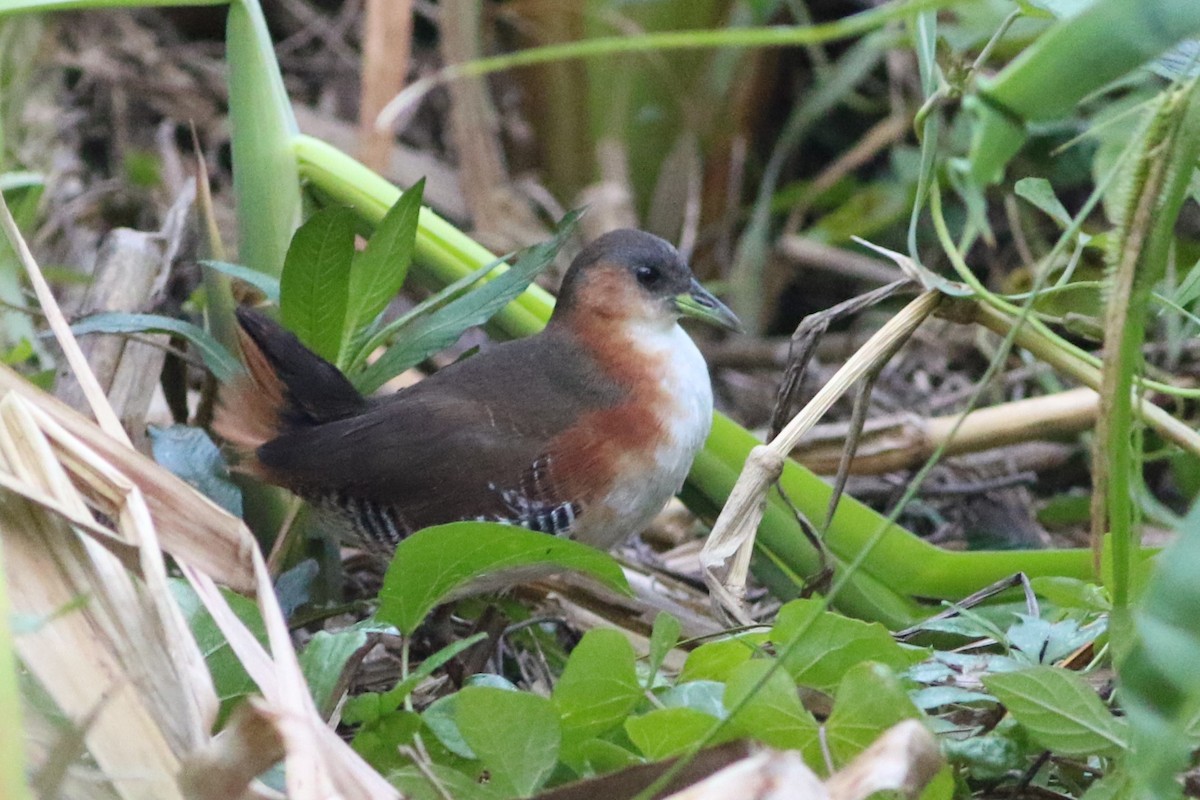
{"x":906,"y":443}
{"x":904,"y":759}
{"x":387,"y":43}
{"x":126,"y":649}
{"x":112,"y":648}
{"x":725,"y":558}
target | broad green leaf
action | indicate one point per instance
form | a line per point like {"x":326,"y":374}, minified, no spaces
{"x":1071,"y":593}
{"x":663,"y":637}
{"x":443,"y":327}
{"x":441,"y":720}
{"x":869,"y":701}
{"x":190,"y":454}
{"x":1060,"y":711}
{"x":378,"y":272}
{"x":416,"y":784}
{"x":1039,"y":192}
{"x":830,"y":644}
{"x":314,"y":287}
{"x":379,"y":743}
{"x":667,"y":732}
{"x":1042,"y":641}
{"x":516,"y":736}
{"x":371,"y":705}
{"x":267,"y":284}
{"x":324,"y":659}
{"x":598,"y":756}
{"x":772,"y":713}
{"x":437,"y":564}
{"x":715,"y":661}
{"x":218,"y":360}
{"x":599,"y":686}
{"x":230,"y":678}
{"x":706,"y":696}
{"x":989,"y":758}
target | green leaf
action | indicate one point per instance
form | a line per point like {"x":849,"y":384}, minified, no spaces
{"x":869,"y":701}
{"x":1060,"y":711}
{"x":706,"y":696}
{"x":379,"y":742}
{"x":715,"y":661}
{"x":440,"y":718}
{"x":219,"y":361}
{"x":370,"y":706}
{"x":1039,"y":192}
{"x":772,"y":714}
{"x":314,"y":288}
{"x":230,"y":678}
{"x":324,"y":659}
{"x":989,"y":758}
{"x":830,"y":644}
{"x":437,"y":564}
{"x":417,"y":784}
{"x":663,"y":637}
{"x":667,"y":732}
{"x":1071,"y":593}
{"x":515,"y":734}
{"x":267,"y":284}
{"x":1189,"y":288}
{"x":443,"y":327}
{"x":378,"y":272}
{"x":190,"y":454}
{"x":598,"y":687}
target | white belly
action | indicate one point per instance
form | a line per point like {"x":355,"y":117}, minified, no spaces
{"x":638,"y":497}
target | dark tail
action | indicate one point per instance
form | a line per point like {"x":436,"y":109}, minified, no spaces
{"x":286,"y":386}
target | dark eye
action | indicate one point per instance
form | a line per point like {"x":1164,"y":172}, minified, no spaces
{"x":648,"y":276}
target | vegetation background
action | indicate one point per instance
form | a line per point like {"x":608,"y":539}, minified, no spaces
{"x":978,"y":556}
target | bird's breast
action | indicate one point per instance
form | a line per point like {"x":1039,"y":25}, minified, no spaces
{"x":676,"y":393}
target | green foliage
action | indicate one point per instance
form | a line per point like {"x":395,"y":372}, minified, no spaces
{"x":1060,"y":711}
{"x":230,"y":678}
{"x":315,"y":286}
{"x":441,"y":326}
{"x":819,"y":646}
{"x":437,"y":564}
{"x":192,"y":455}
{"x":216,"y":357}
{"x":598,"y":689}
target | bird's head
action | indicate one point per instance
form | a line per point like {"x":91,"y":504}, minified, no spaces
{"x":634,"y":276}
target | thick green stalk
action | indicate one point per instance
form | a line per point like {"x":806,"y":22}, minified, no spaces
{"x":1167,"y":154}
{"x":265,"y":179}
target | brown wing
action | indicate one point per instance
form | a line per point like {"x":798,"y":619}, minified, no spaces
{"x":467,"y":442}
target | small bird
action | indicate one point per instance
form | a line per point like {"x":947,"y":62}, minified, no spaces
{"x":583,"y":430}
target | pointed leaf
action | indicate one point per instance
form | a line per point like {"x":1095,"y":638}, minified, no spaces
{"x":443,"y":327}
{"x":869,"y":700}
{"x":599,"y":686}
{"x":667,"y":732}
{"x":1060,"y":711}
{"x":437,"y":564}
{"x":314,"y":288}
{"x":663,"y":637}
{"x":219,"y":361}
{"x":378,"y":272}
{"x":515,"y":734}
{"x":772,"y":712}
{"x":829,"y":644}
{"x":267,"y":284}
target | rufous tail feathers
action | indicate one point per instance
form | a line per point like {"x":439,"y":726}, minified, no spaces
{"x":285,"y":387}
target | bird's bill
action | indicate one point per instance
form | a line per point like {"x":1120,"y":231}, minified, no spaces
{"x":699,"y":303}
